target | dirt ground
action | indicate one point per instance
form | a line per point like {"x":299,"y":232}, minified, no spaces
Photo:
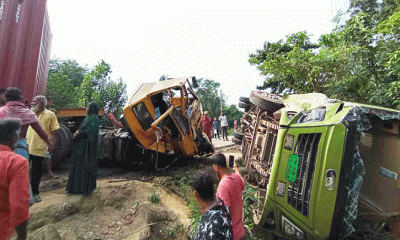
{"x":120,"y":207}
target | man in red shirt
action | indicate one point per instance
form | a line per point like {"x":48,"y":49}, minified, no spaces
{"x":14,"y":182}
{"x":230,"y":191}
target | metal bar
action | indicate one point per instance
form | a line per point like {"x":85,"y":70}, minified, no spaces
{"x":306,"y":182}
{"x":302,"y":171}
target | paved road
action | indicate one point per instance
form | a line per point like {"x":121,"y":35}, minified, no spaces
{"x":218,"y":143}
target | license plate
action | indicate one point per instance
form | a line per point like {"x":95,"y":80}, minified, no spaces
{"x":291,"y":170}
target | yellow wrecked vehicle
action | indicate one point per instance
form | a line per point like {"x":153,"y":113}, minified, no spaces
{"x":165,"y":117}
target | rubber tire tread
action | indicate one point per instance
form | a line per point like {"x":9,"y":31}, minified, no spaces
{"x":246,"y":106}
{"x":265,"y":102}
{"x":236,"y":141}
{"x":70,"y":136}
{"x":238,"y":135}
{"x":57,"y":155}
{"x":245,"y":100}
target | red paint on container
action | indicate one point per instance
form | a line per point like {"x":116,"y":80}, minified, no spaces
{"x":25,"y":42}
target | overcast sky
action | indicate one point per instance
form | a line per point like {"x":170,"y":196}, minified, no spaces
{"x":143,"y":40}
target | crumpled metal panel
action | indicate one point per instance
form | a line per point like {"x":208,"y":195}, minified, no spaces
{"x":358,"y":114}
{"x":352,"y":112}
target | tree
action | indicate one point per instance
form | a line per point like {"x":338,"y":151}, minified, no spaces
{"x":358,"y":61}
{"x":208,"y":96}
{"x":97,"y":86}
{"x":232,"y":113}
{"x":60,"y":89}
{"x":70,"y":68}
{"x":71,"y":85}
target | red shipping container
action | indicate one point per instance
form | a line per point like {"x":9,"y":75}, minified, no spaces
{"x":25,"y":42}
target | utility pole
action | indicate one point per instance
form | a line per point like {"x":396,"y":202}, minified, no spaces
{"x":221,"y":101}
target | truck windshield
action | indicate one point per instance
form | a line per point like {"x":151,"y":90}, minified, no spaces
{"x":180,"y":121}
{"x":143,"y":115}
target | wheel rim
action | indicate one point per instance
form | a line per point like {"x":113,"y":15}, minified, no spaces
{"x":259,"y":205}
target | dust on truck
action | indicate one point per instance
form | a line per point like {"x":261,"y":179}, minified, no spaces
{"x":317,"y":162}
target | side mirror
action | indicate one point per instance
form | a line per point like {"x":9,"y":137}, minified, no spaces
{"x":194,"y":82}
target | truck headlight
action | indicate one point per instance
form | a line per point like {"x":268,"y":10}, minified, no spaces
{"x":291,"y":230}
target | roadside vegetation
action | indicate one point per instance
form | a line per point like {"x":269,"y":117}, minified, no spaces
{"x":358,"y":61}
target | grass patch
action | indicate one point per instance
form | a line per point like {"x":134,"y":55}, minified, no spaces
{"x":196,"y":217}
{"x":154,"y":197}
{"x":248,"y":197}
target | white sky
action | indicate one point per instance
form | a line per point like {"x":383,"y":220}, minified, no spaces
{"x":143,"y":40}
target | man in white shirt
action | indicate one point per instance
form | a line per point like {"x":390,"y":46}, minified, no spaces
{"x":224,"y":125}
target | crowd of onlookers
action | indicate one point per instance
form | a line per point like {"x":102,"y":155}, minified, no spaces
{"x":28,"y":135}
{"x":216,"y":128}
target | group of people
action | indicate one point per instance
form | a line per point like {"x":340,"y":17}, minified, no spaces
{"x":222,"y":211}
{"x":27,"y":135}
{"x":26,"y":138}
{"x":212,"y":128}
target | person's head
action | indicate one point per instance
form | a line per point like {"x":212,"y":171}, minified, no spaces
{"x":10,"y":129}
{"x":2,"y":97}
{"x":93,"y":108}
{"x":220,"y":164}
{"x":49,"y":102}
{"x":38,"y":104}
{"x":206,"y":113}
{"x":222,"y":113}
{"x":13,"y":94}
{"x":215,"y":119}
{"x":203,"y":184}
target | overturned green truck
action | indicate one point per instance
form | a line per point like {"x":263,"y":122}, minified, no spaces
{"x":317,"y":162}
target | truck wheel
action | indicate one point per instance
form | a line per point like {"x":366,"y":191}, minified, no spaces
{"x":267,"y":101}
{"x":236,"y":141}
{"x":258,"y":209}
{"x":59,"y":153}
{"x":246,"y":106}
{"x":70,"y":136}
{"x":244,"y":99}
{"x":238,"y":135}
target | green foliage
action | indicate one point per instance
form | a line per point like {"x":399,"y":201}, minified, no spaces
{"x":248,"y":195}
{"x":232,"y":113}
{"x":154,"y":197}
{"x":61,"y":90}
{"x":209,"y":96}
{"x":69,"y":68}
{"x":196,"y":216}
{"x":183,"y":185}
{"x":71,"y":85}
{"x":359,"y":61}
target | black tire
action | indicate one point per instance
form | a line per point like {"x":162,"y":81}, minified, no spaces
{"x":68,"y":141}
{"x":237,"y":141}
{"x":267,"y":101}
{"x":244,"y":99}
{"x":246,"y":106}
{"x":59,"y":151}
{"x":238,"y":135}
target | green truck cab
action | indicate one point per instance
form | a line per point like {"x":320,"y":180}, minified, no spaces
{"x":316,"y":162}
